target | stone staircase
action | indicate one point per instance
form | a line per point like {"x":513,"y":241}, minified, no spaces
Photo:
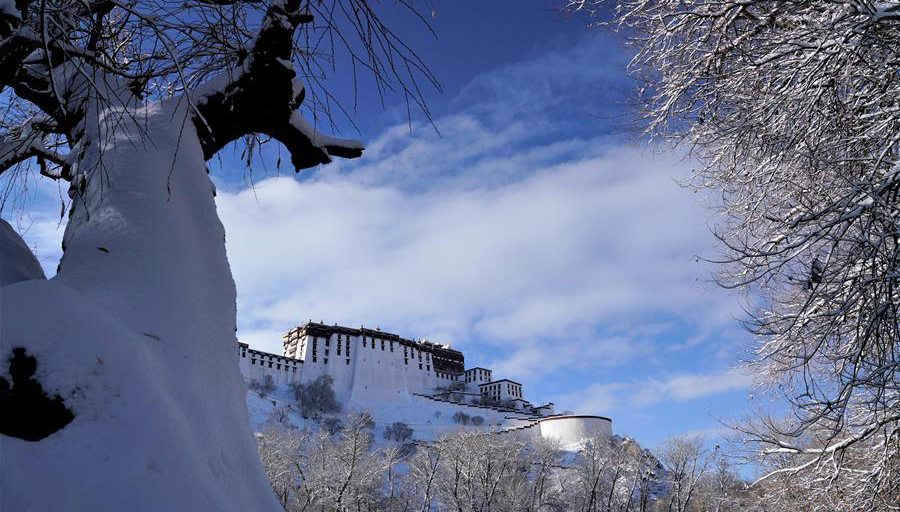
{"x":531,"y":424}
{"x":478,"y":406}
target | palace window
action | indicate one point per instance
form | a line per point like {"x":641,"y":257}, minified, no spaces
{"x":279,"y":366}
{"x":326,"y":360}
{"x":326,"y":351}
{"x":253,"y":361}
{"x":270,"y":364}
{"x":364,"y":343}
{"x":405,"y":361}
{"x":327,"y":342}
{"x":339,"y":350}
{"x":420,"y":365}
{"x":348,"y":361}
{"x":428,"y":367}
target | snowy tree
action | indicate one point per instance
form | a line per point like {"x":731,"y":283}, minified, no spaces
{"x":263,"y":387}
{"x":478,"y":471}
{"x":126,"y":101}
{"x":322,"y":470}
{"x":790,"y":109}
{"x":279,"y":452}
{"x":398,"y":431}
{"x":316,"y":397}
{"x":424,"y":471}
{"x":541,"y":491}
{"x":722,"y":489}
{"x":599,"y":473}
{"x":686,"y":462}
{"x":461,"y":418}
{"x":353,"y":476}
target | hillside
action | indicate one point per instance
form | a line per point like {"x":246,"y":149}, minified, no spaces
{"x":428,"y":417}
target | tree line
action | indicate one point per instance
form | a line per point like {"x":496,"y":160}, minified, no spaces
{"x":482,"y":470}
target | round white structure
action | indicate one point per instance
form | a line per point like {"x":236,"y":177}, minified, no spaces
{"x":575,"y":429}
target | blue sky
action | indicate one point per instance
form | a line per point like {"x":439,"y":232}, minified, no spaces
{"x":533,"y":233}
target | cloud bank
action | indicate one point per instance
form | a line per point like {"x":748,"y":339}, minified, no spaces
{"x":527,"y":233}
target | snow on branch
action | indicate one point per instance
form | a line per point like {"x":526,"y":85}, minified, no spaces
{"x":8,"y":9}
{"x":790,"y":111}
{"x":263,"y":96}
{"x":26,"y":142}
{"x":345,"y":148}
{"x":235,"y":63}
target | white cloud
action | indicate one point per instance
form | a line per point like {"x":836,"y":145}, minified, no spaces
{"x":605,"y":240}
{"x":542,"y":249}
{"x":537,"y":248}
{"x":689,"y":386}
{"x":652,"y":391}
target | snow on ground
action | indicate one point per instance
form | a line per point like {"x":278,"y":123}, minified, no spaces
{"x":428,"y":418}
{"x":17,"y":263}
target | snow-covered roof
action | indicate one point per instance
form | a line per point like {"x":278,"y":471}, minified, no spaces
{"x":274,"y":357}
{"x":499,"y":381}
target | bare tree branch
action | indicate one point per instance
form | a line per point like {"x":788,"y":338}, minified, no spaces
{"x":791,"y":110}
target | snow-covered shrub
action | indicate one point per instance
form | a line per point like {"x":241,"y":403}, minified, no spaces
{"x":461,"y":418}
{"x":398,"y":431}
{"x":263,"y":387}
{"x":332,"y":424}
{"x":451,"y":391}
{"x":477,"y":421}
{"x":316,"y":397}
{"x":268,"y":384}
{"x":280,"y":417}
{"x":486,"y":401}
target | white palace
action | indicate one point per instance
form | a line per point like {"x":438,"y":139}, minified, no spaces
{"x":371,"y":365}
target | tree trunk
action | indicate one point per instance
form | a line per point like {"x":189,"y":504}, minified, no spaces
{"x":137,"y":333}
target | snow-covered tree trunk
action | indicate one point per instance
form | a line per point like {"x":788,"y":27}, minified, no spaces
{"x":137,"y":333}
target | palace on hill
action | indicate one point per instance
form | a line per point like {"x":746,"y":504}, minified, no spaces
{"x":371,"y":365}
